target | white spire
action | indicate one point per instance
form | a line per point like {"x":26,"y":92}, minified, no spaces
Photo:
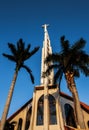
{"x":46,"y":36}
{"x":46,"y":50}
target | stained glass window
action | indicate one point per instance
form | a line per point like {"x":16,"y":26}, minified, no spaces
{"x":52,"y":110}
{"x":69,"y":113}
{"x":20,"y":124}
{"x":40,"y":111}
{"x":28,"y":116}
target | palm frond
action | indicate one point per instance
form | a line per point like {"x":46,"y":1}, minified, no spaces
{"x":20,"y":45}
{"x":28,"y":48}
{"x":47,"y":72}
{"x":29,"y":54}
{"x":84,"y":58}
{"x":80,"y":58}
{"x":64,"y":44}
{"x":54,"y":58}
{"x":34,"y":51}
{"x":49,"y":69}
{"x":84,"y":69}
{"x":58,"y":76}
{"x":30,"y":72}
{"x":80,"y":44}
{"x":76,"y":73}
{"x":12,"y":48}
{"x":10,"y":57}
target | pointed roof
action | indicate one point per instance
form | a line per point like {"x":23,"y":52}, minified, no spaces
{"x":83,"y":105}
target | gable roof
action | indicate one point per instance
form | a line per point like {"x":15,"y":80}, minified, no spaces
{"x":83,"y":105}
{"x":19,"y":110}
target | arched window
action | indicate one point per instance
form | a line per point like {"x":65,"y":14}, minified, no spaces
{"x":20,"y":124}
{"x":28,"y":116}
{"x":40,"y":111}
{"x":52,"y":110}
{"x":69,"y":113}
{"x":10,"y":125}
{"x":88,"y":124}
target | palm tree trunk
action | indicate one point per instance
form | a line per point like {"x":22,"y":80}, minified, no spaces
{"x":7,"y":105}
{"x":77,"y":108}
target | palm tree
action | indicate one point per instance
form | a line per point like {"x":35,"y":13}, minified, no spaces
{"x":70,"y":62}
{"x":19,"y":55}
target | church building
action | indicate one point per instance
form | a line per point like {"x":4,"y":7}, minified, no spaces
{"x":49,"y":109}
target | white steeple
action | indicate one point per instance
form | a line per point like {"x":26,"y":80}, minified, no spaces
{"x":46,"y":50}
{"x":46,"y":108}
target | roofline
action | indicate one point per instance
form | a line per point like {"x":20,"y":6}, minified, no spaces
{"x":19,"y":109}
{"x":83,"y":105}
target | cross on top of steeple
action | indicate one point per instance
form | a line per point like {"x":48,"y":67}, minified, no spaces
{"x":45,"y":27}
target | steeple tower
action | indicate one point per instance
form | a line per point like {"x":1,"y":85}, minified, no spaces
{"x":46,"y":109}
{"x":46,"y":50}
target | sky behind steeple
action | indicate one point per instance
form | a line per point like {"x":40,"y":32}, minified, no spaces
{"x":24,"y":19}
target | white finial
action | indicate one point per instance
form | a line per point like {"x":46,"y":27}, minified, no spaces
{"x":45,"y":27}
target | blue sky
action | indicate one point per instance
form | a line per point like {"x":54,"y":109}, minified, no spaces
{"x":23,"y":19}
